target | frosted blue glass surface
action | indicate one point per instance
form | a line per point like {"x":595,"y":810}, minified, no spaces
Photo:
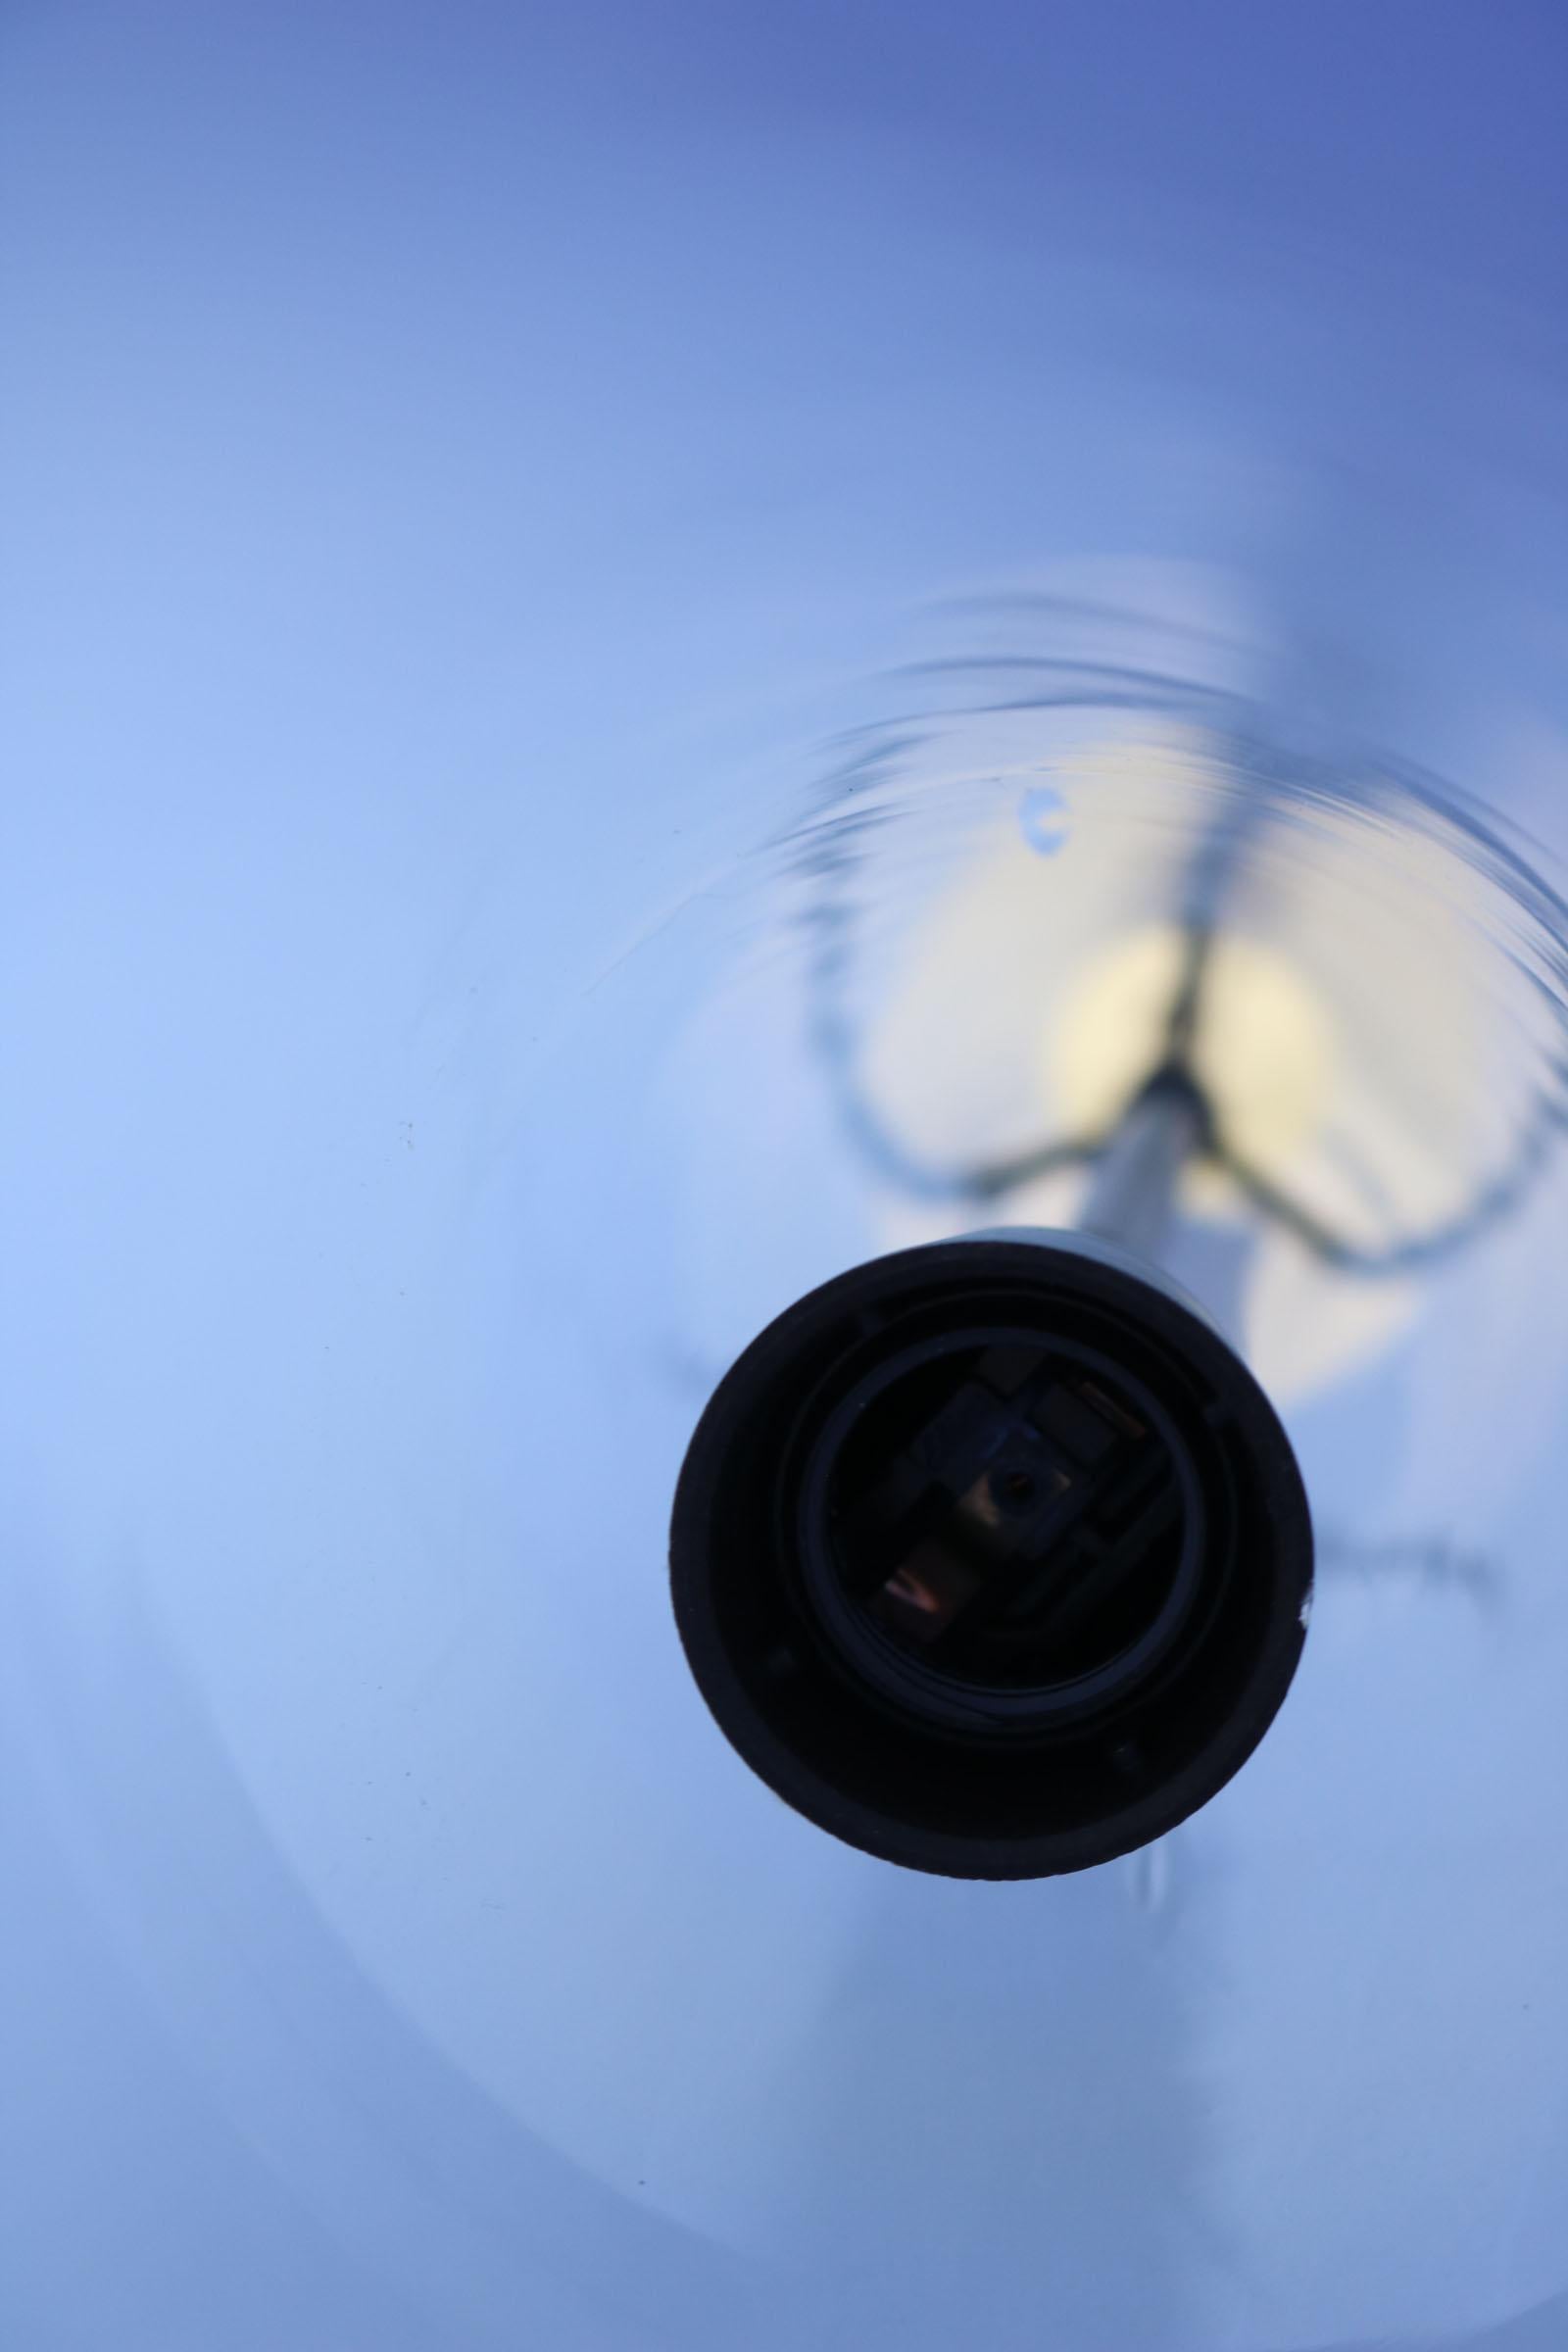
{"x":473,"y":479}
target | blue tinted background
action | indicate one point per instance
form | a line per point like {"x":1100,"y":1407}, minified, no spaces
{"x":439,"y":446}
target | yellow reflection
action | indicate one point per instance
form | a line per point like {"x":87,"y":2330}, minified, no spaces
{"x":1265,"y":1048}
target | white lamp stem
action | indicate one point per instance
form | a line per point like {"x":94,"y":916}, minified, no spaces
{"x":1132,"y":1196}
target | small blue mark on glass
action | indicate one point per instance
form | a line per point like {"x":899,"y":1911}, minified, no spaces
{"x":1043,"y":819}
